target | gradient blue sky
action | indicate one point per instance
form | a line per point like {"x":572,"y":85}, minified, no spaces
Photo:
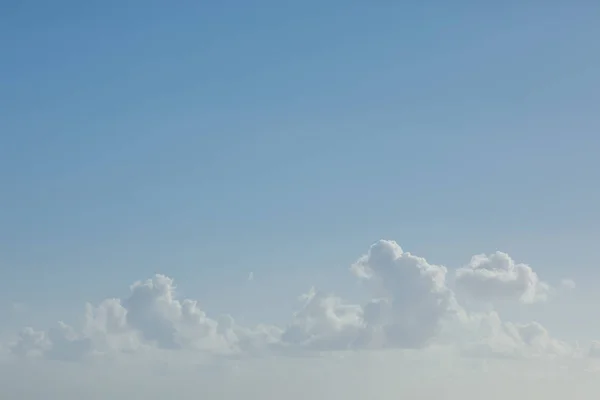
{"x":206,"y":140}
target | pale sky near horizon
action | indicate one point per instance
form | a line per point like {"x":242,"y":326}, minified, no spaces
{"x":247,"y":152}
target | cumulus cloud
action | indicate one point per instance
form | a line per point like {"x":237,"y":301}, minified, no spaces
{"x":67,"y":344}
{"x":411,"y":298}
{"x":107,"y":326}
{"x":153,"y":314}
{"x":410,"y":301}
{"x":59,"y":343}
{"x":497,"y":276}
{"x":325,"y":322}
{"x":492,"y":337}
{"x":410,"y":306}
{"x":31,"y":343}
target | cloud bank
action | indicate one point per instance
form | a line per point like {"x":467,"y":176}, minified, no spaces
{"x":411,"y":306}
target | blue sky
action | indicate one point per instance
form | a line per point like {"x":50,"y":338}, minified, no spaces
{"x":214,"y":139}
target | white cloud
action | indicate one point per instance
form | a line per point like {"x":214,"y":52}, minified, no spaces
{"x":152,"y":315}
{"x":67,"y":345}
{"x":58,"y":343}
{"x":325,"y":322}
{"x":491,"y":337}
{"x":497,"y":276}
{"x":411,"y":298}
{"x":409,"y":338}
{"x":410,"y":306}
{"x":31,"y":343}
{"x":159,"y":317}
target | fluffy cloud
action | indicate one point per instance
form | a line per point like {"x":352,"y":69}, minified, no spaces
{"x":151,"y":316}
{"x":411,"y":298}
{"x":325,"y":322}
{"x":491,"y":337}
{"x":31,"y":343}
{"x":497,"y":276}
{"x":153,"y":311}
{"x":409,"y":302}
{"x":67,"y":345}
{"x":59,"y":343}
{"x":410,"y":306}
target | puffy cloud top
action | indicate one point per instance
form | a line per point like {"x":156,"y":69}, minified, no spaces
{"x":497,"y":276}
{"x":411,"y":297}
